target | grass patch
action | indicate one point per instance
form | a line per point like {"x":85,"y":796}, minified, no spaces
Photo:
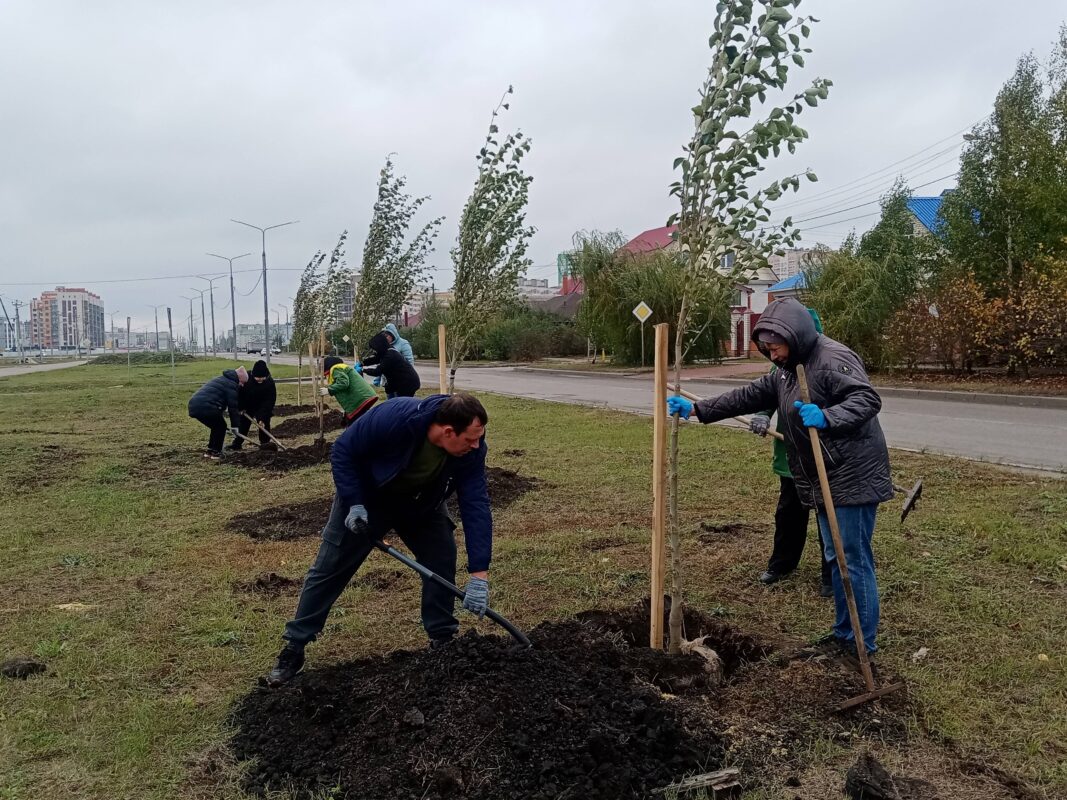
{"x":119,"y":572}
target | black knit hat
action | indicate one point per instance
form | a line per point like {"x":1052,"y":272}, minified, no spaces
{"x":330,"y":362}
{"x":260,"y":369}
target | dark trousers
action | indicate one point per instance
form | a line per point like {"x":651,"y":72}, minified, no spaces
{"x":218,"y":427}
{"x":245,"y":425}
{"x":791,"y":532}
{"x":428,"y":533}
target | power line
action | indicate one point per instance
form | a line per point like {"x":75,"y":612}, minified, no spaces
{"x":86,"y":281}
{"x":870,"y":202}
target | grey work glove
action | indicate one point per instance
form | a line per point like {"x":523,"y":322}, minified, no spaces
{"x":759,"y":424}
{"x":356,"y":521}
{"x":476,"y":596}
{"x":236,"y":433}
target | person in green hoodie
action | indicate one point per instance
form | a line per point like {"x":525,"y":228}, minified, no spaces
{"x":347,"y":386}
{"x":791,"y":517}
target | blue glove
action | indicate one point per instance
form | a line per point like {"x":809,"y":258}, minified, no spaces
{"x":476,"y":596}
{"x":378,"y":381}
{"x":356,"y":521}
{"x":676,"y":404}
{"x":811,"y":414}
{"x":358,"y":367}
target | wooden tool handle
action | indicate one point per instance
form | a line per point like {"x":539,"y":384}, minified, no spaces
{"x":835,"y":534}
{"x":697,"y":398}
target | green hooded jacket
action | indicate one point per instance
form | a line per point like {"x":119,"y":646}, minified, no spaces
{"x":779,"y":462}
{"x":348,"y":387}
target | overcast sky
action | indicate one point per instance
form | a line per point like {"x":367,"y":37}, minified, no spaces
{"x":133,"y":132}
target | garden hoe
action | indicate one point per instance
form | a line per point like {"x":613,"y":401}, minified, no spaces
{"x":259,"y":425}
{"x":385,"y":547}
{"x":873,"y":691}
{"x":911,"y":498}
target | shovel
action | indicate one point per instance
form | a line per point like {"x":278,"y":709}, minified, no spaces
{"x":846,"y":581}
{"x":911,"y":497}
{"x":385,"y":547}
{"x":259,"y":425}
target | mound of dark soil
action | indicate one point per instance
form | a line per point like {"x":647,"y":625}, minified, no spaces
{"x":580,"y":715}
{"x":288,"y":409}
{"x":270,"y":584}
{"x":303,"y":425}
{"x":717,"y":531}
{"x":382,"y":578}
{"x":22,"y":668}
{"x":279,"y":523}
{"x":506,"y":486}
{"x":280,"y":460}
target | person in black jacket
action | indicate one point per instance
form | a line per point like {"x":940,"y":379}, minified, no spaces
{"x":216,"y":396}
{"x":401,"y":379}
{"x":257,"y":398}
{"x":844,"y":407}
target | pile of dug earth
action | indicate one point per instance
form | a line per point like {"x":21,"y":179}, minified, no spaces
{"x":582,"y":714}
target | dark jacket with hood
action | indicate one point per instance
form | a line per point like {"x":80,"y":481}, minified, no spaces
{"x":379,"y":446}
{"x":400,"y":377}
{"x":256,"y":398}
{"x":216,"y":396}
{"x":854,"y":449}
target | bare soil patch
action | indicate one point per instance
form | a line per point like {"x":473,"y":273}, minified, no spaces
{"x":332,"y":420}
{"x":506,"y":486}
{"x":288,"y":409}
{"x":269,"y":584}
{"x":48,"y":464}
{"x":280,"y":460}
{"x":280,"y":523}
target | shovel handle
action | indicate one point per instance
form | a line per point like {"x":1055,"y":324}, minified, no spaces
{"x":429,"y":574}
{"x":259,"y":425}
{"x":835,"y":534}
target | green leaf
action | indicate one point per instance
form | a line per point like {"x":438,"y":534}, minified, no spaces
{"x":811,"y":176}
{"x":769,"y":29}
{"x":798,"y":59}
{"x":678,"y":161}
{"x":752,"y":66}
{"x":794,"y":39}
{"x":780,"y":15}
{"x":805,"y":31}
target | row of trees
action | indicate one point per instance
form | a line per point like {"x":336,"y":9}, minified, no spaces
{"x":489,"y":256}
{"x":989,"y":287}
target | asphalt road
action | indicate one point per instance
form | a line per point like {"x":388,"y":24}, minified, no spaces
{"x":25,"y":369}
{"x":1016,"y":436}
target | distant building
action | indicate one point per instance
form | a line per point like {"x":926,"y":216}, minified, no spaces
{"x":790,"y":263}
{"x":67,"y":319}
{"x":535,"y":289}
{"x":926,"y":214}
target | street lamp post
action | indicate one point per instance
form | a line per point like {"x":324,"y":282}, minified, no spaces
{"x":266,"y":306}
{"x":211,"y":288}
{"x":156,"y":310}
{"x":203,"y":315}
{"x":233,"y":308}
{"x":112,"y":315}
{"x":288,"y":336}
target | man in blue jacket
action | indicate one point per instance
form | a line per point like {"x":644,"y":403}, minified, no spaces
{"x":393,"y":469}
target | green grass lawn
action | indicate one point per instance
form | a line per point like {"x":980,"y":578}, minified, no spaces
{"x":117,"y":570}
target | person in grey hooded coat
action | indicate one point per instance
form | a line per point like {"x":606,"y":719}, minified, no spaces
{"x":844,"y":407}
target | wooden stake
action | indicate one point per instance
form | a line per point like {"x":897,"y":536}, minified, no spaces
{"x":659,"y":488}
{"x":441,"y":359}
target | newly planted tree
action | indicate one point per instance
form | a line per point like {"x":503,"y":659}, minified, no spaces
{"x":490,"y":252}
{"x":724,"y":228}
{"x":305,"y":311}
{"x":392,"y":263}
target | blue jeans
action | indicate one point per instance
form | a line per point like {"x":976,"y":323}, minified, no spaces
{"x":429,"y":533}
{"x":857,"y":528}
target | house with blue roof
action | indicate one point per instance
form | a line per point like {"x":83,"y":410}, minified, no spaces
{"x":926,"y":212}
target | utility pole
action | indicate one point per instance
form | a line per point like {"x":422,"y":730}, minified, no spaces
{"x":233,"y":307}
{"x":211,"y":289}
{"x":266,"y":306}
{"x":170,"y":341}
{"x":286,"y":336}
{"x":156,"y":309}
{"x":203,"y":317}
{"x":192,"y":336}
{"x":128,"y":348}
{"x":113,"y":348}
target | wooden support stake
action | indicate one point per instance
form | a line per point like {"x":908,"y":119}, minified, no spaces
{"x":659,"y":489}
{"x":441,"y":359}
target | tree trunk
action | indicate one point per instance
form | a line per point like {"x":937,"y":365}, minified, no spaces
{"x":299,"y":371}
{"x":674,"y":625}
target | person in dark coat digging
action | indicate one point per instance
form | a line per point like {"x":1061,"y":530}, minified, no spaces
{"x":257,"y":398}
{"x":401,"y":379}
{"x":393,"y":469}
{"x":844,"y":409}
{"x":217,"y":396}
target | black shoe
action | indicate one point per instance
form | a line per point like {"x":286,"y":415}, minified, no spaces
{"x":290,"y":662}
{"x":768,"y":577}
{"x":437,"y":644}
{"x":214,"y":455}
{"x":233,"y":448}
{"x":827,"y":590}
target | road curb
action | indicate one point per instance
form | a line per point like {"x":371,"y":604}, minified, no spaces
{"x":983,"y":398}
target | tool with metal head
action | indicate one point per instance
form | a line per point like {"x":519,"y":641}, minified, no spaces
{"x":263,"y":428}
{"x":429,"y":574}
{"x":911,"y":497}
{"x":873,"y":691}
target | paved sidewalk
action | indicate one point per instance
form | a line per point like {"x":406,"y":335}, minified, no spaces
{"x":26,"y":369}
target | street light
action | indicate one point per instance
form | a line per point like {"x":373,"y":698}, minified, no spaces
{"x":233,"y":308}
{"x":156,"y":309}
{"x":211,"y":286}
{"x":203,"y":316}
{"x":192,"y":336}
{"x":112,"y":315}
{"x":266,"y":307}
{"x":287,"y":334}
